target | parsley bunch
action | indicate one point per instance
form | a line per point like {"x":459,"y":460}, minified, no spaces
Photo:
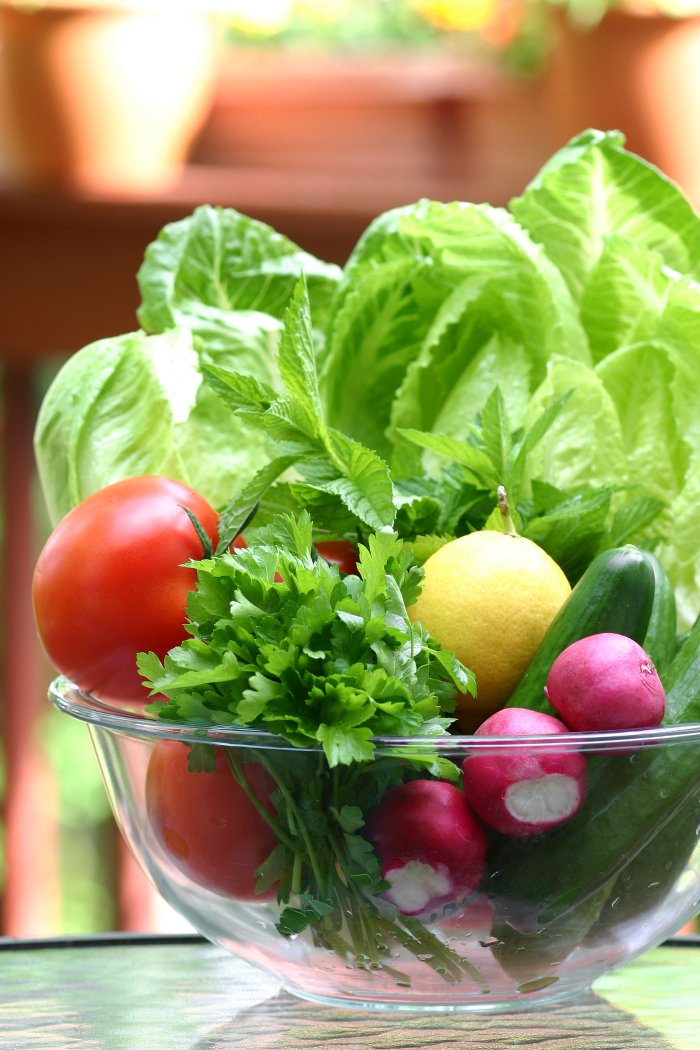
{"x":280,"y":641}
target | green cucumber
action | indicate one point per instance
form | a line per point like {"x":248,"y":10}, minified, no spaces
{"x":616,"y":594}
{"x":536,"y":956}
{"x":651,"y":876}
{"x":660,"y":639}
{"x":631,"y":799}
{"x":648,"y":879}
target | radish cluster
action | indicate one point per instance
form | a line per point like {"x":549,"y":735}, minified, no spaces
{"x":432,"y":838}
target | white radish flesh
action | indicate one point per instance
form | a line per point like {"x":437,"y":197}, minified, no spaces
{"x":431,"y":846}
{"x":524,"y":791}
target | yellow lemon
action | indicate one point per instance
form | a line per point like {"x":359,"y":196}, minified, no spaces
{"x":490,"y":597}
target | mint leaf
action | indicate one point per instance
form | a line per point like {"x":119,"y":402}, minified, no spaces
{"x":477,"y":463}
{"x":297,"y":362}
{"x":573,"y":532}
{"x":327,"y":459}
{"x":242,"y":392}
{"x":632,"y":517}
{"x":518,"y":464}
{"x":241,"y":507}
{"x":357,"y":475}
{"x":493,"y":432}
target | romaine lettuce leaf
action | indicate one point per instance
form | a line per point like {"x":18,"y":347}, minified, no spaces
{"x":626,"y":290}
{"x":212,"y":264}
{"x":640,"y":381}
{"x":377,"y":332}
{"x":214,"y":288}
{"x":429,"y":290}
{"x":593,"y":188}
{"x":585,"y":445}
{"x":679,"y":549}
{"x":136,"y":404}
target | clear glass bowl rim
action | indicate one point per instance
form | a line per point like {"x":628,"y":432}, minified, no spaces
{"x":72,"y":701}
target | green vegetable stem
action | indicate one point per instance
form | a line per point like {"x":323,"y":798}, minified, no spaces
{"x":660,"y":639}
{"x":328,"y":874}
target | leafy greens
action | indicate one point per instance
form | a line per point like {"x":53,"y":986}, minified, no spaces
{"x":586,"y":287}
{"x":280,"y":641}
{"x":284,"y":643}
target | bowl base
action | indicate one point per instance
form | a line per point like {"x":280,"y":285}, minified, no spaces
{"x":527,"y":1001}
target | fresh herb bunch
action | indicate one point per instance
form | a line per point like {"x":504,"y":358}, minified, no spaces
{"x":572,"y":525}
{"x":282,"y":642}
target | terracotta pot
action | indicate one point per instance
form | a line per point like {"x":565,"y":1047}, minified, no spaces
{"x":395,"y":125}
{"x":105,"y":95}
{"x":639,"y":74}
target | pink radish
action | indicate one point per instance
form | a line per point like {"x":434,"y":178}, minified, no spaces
{"x":606,"y":681}
{"x":521,"y":791}
{"x":431,"y":847}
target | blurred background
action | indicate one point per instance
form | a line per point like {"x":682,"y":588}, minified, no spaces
{"x":312,"y":115}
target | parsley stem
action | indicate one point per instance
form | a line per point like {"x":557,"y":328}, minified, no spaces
{"x":442,"y":953}
{"x":371,"y":939}
{"x":354,"y":925}
{"x":296,"y":874}
{"x":236,"y":767}
{"x":294,"y":811}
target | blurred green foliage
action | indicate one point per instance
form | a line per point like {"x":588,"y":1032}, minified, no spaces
{"x":514,"y":33}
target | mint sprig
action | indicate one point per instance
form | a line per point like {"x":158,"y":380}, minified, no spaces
{"x":327,"y":459}
{"x":571,"y":525}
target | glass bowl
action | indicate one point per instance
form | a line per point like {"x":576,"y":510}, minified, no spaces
{"x":552,"y":912}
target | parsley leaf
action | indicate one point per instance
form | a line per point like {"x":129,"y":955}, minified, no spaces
{"x":282,"y":642}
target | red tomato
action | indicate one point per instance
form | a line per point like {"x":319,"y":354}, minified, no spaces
{"x":205,"y":821}
{"x":341,"y":553}
{"x":111,"y":581}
